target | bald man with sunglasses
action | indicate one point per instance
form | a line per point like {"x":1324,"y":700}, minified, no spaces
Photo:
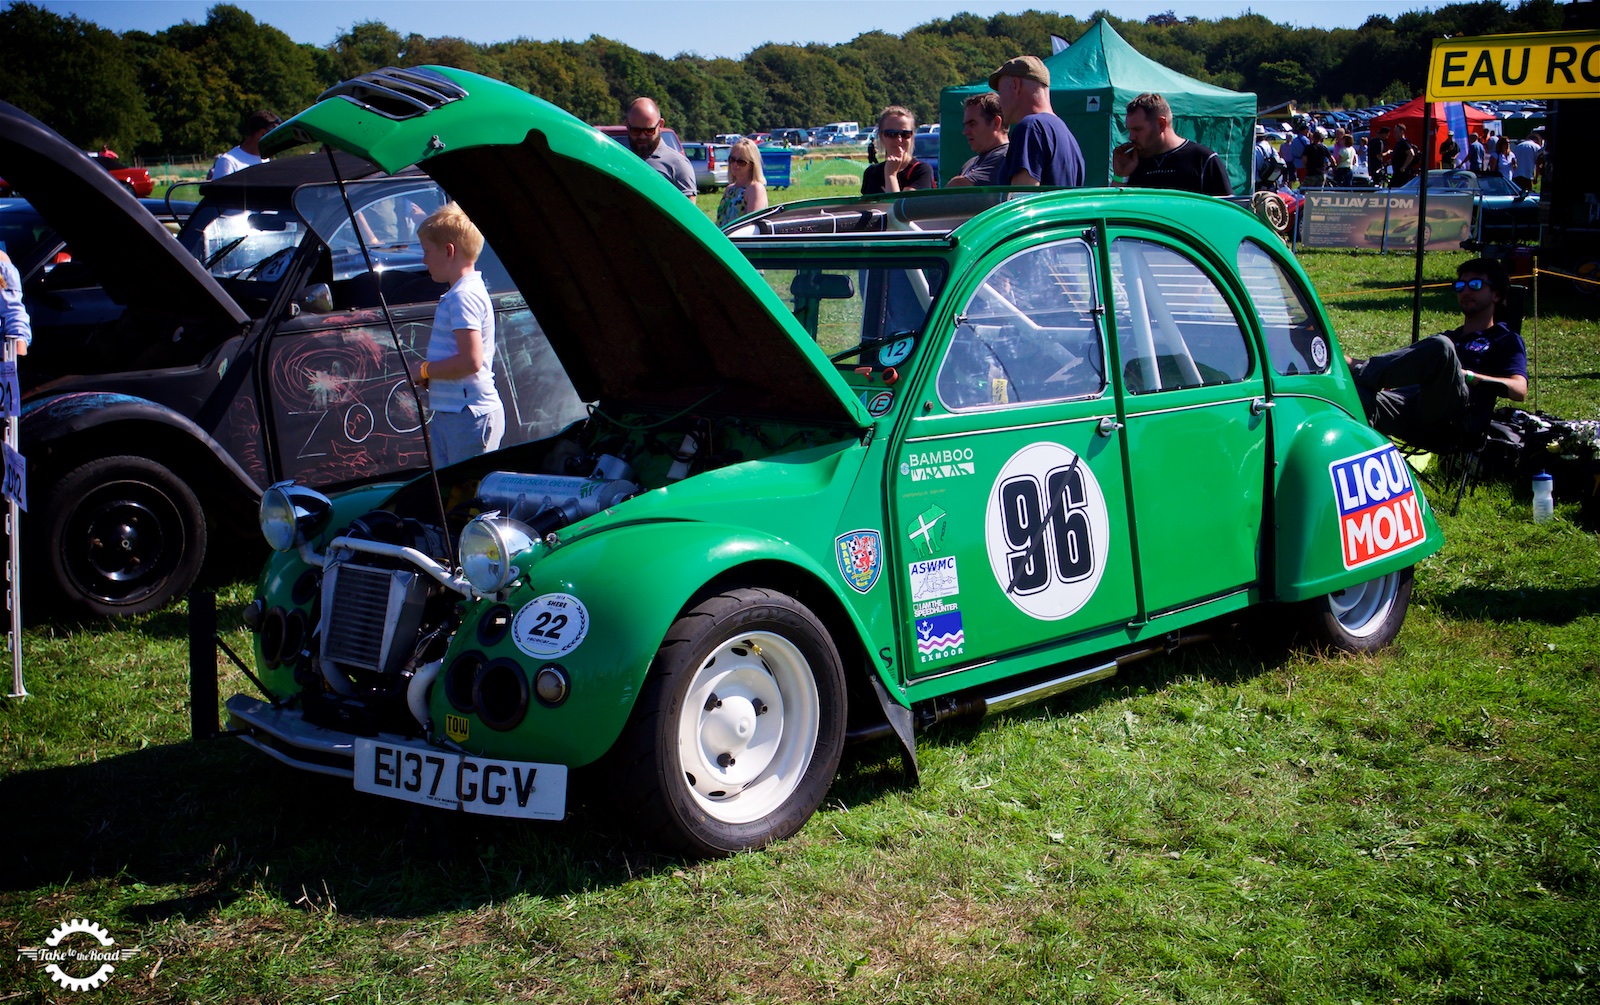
{"x":1446,"y":386}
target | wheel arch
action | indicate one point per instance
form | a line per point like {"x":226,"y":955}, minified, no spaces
{"x":1308,"y":527}
{"x":62,"y":432}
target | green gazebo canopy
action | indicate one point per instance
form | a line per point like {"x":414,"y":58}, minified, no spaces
{"x":1091,"y":83}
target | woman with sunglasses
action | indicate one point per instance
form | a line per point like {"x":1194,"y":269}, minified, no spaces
{"x":899,"y":171}
{"x":747,"y":183}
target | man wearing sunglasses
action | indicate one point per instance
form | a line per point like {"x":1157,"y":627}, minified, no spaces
{"x":1446,"y":385}
{"x":644,"y":138}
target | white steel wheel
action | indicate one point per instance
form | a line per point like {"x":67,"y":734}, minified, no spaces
{"x":748,"y":727}
{"x":738,"y":729}
{"x":1363,"y":618}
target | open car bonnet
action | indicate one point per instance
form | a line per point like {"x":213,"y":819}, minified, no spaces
{"x":641,"y":296}
{"x":136,"y":260}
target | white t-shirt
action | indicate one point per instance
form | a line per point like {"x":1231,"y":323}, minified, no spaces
{"x":1527,"y":158}
{"x":236,"y":159}
{"x":465,"y":305}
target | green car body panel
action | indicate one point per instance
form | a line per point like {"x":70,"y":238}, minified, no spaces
{"x":953,"y":525}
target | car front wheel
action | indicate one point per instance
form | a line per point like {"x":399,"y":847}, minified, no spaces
{"x":1362,"y":618}
{"x":125,"y":536}
{"x":740,"y":726}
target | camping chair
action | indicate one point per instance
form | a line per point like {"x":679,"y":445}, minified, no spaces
{"x":1458,"y":448}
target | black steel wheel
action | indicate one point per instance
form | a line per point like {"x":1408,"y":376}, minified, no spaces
{"x":124,"y":536}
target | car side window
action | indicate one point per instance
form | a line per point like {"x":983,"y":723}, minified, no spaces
{"x":1295,"y":339}
{"x":1174,"y":328}
{"x":1028,"y":334}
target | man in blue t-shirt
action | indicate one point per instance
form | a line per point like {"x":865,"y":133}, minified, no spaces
{"x":1447,"y":385}
{"x":1043,"y":150}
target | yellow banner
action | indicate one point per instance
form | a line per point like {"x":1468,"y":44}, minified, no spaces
{"x":1555,"y":64}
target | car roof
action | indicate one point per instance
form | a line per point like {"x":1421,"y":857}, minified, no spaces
{"x":138,"y":261}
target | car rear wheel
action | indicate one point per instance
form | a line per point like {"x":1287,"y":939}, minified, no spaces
{"x":740,"y":726}
{"x":1362,"y":618}
{"x":124,"y":536}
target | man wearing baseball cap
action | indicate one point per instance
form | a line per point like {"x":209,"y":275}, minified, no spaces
{"x":1043,"y":150}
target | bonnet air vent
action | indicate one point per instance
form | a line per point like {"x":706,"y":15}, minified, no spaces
{"x":396,"y":93}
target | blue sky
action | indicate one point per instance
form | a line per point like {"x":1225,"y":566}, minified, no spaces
{"x":668,"y":27}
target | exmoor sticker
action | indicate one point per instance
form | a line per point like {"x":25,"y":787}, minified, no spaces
{"x":551,"y":625}
{"x":1379,"y":514}
{"x":860,"y":556}
{"x":940,"y":637}
{"x":926,"y":465}
{"x":1047,"y":531}
{"x":934,"y":577}
{"x":926,"y":532}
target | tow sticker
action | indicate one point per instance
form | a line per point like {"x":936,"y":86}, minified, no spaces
{"x":1378,"y":510}
{"x":1047,"y":531}
{"x":551,"y":625}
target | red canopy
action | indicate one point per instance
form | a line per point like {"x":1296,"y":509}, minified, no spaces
{"x":1410,"y":116}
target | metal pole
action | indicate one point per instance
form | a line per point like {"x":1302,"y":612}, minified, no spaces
{"x":202,"y":665}
{"x":1422,"y":218}
{"x":14,"y":558}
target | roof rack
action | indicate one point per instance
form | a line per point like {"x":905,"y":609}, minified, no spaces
{"x":396,"y":93}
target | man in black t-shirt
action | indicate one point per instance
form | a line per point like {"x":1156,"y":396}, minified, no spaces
{"x":1157,"y":157}
{"x":1403,"y":162}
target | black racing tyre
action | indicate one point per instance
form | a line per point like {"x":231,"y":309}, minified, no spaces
{"x":738,"y":730}
{"x":1363,"y":618}
{"x":123,"y":536}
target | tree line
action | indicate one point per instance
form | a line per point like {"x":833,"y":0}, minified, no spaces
{"x":185,"y":91}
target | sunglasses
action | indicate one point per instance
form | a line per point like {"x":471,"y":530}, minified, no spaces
{"x":738,"y":160}
{"x":1470,"y":284}
{"x":897,"y":134}
{"x":642,"y":130}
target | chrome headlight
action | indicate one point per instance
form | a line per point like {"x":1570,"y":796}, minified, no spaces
{"x":292,"y":514}
{"x":488,"y":545}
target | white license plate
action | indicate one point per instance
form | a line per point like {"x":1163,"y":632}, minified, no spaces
{"x":418,"y":773}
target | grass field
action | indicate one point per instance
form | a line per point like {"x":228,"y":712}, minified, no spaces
{"x":1236,"y":824}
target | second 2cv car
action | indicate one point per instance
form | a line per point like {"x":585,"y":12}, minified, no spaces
{"x":854,"y":467}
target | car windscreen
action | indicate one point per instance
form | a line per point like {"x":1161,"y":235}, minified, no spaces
{"x":385,"y":218}
{"x":248,"y":245}
{"x":861,"y":315}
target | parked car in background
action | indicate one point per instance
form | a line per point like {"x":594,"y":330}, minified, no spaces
{"x":249,"y":349}
{"x":710,"y":161}
{"x":925,"y":147}
{"x":1506,"y":214}
{"x":137,"y":179}
{"x":729,"y":139}
{"x":787,"y":137}
{"x":856,"y":467}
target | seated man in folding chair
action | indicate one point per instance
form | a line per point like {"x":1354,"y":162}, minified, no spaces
{"x":1439,"y":393}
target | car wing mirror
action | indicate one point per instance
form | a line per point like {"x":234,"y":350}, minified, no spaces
{"x":316,"y":298}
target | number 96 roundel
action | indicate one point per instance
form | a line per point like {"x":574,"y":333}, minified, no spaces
{"x":1046,"y":531}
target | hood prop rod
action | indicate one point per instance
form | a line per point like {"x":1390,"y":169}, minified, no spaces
{"x":405,"y":364}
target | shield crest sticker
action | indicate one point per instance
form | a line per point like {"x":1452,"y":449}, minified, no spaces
{"x":860,"y":555}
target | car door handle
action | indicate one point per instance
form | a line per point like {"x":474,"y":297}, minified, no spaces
{"x":1108,"y":425}
{"x":1261,"y":405}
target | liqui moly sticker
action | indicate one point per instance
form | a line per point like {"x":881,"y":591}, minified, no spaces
{"x":1379,"y":513}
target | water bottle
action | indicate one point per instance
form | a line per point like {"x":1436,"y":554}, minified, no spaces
{"x":1544,"y":507}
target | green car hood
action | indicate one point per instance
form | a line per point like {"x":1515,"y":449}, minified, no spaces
{"x":643,"y":299}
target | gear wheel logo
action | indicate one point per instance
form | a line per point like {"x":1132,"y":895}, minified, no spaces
{"x":54,"y":954}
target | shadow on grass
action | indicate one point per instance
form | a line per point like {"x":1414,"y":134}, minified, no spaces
{"x":219,"y":821}
{"x":1545,"y":606}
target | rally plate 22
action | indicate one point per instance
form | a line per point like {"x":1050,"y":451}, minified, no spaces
{"x":444,"y":779}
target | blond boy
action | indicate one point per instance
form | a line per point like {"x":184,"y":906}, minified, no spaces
{"x":458,"y":371}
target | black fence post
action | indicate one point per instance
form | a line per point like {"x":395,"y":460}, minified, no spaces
{"x":203,"y":665}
